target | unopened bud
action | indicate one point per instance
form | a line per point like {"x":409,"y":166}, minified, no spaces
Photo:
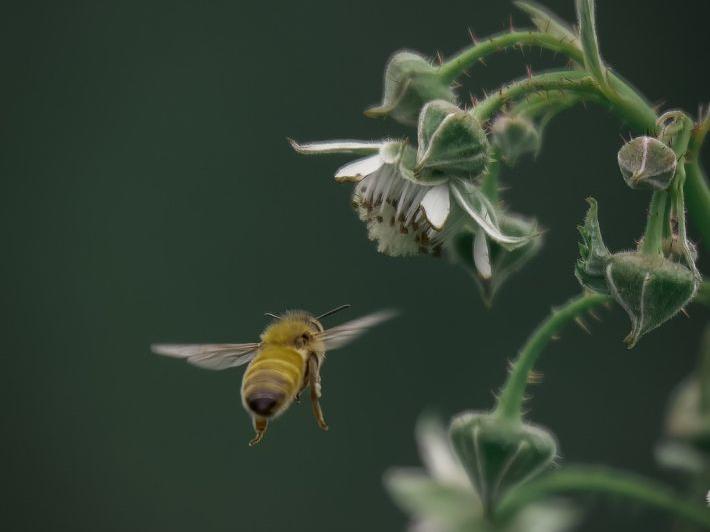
{"x":515,"y":136}
{"x":499,"y":454}
{"x":590,"y":269}
{"x":451,"y":143}
{"x":651,"y":289}
{"x":410,"y":82}
{"x":647,"y":163}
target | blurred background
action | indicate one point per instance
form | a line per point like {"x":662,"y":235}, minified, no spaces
{"x":148,"y":194}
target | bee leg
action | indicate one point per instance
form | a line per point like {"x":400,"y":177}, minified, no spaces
{"x":314,"y":381}
{"x":260,"y":425}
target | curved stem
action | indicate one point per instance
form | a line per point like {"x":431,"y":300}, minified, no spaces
{"x":510,"y":400}
{"x":455,"y":66}
{"x":585,"y":479}
{"x":566,"y":81}
{"x":697,"y":199}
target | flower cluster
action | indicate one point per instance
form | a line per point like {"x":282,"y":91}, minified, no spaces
{"x":428,"y":199}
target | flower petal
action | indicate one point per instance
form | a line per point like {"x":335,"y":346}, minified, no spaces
{"x":437,"y":454}
{"x":477,"y":206}
{"x":355,"y":171}
{"x":437,"y":205}
{"x":356,"y":147}
{"x":481,"y":255}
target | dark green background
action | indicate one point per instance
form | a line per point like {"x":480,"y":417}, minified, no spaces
{"x":149,"y":194}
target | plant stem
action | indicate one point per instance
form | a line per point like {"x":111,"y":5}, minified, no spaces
{"x":455,"y":66}
{"x":697,"y":199}
{"x":566,"y":81}
{"x":489,"y":184}
{"x":652,"y":243}
{"x":586,"y":479}
{"x":510,"y":400}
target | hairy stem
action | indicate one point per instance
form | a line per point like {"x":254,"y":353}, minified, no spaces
{"x":653,"y":235}
{"x":564,"y":81}
{"x":510,"y":400}
{"x":455,"y":66}
{"x":586,"y":479}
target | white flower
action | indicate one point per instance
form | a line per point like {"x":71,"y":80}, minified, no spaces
{"x":406,"y":215}
{"x":403,"y":215}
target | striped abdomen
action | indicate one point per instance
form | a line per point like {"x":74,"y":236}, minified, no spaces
{"x":272,"y":380}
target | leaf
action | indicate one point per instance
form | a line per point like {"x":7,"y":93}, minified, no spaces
{"x":547,"y":22}
{"x":590,"y":45}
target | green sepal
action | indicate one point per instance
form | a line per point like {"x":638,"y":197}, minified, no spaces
{"x":499,"y":454}
{"x":451,"y":143}
{"x":651,"y":289}
{"x":590,"y":269}
{"x":410,"y":82}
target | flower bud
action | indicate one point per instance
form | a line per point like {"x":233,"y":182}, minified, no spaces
{"x":651,"y":289}
{"x":410,"y":82}
{"x":590,"y":268}
{"x":647,"y":163}
{"x":515,"y":136}
{"x":451,"y":143}
{"x":499,"y":454}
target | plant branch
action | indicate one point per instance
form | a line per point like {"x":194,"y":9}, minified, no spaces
{"x":510,"y":400}
{"x":455,"y":66}
{"x":585,"y":479}
{"x":697,"y":199}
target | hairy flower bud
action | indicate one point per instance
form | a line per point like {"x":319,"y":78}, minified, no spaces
{"x":410,"y":82}
{"x":451,"y":143}
{"x":590,"y":269}
{"x":515,"y":136}
{"x":647,"y":163}
{"x":651,"y":289}
{"x":499,"y":454}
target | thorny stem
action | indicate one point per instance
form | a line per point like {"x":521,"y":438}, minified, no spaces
{"x":585,"y":479}
{"x":565,"y":81}
{"x":455,"y":66}
{"x":512,"y":396}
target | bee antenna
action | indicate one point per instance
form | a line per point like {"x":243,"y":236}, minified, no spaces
{"x":270,"y":315}
{"x":333,"y":311}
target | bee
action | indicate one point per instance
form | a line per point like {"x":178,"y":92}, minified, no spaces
{"x":288,"y":359}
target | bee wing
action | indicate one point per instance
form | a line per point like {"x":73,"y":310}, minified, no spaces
{"x":345,"y":333}
{"x":209,"y":356}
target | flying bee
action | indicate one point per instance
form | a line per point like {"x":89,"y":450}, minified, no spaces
{"x":286,"y":360}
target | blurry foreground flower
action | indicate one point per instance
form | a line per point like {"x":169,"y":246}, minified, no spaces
{"x":407,"y":214}
{"x":441,"y":498}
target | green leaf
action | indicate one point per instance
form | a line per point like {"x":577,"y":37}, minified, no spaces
{"x":590,"y":45}
{"x":547,"y":22}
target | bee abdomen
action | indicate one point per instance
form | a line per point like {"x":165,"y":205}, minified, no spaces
{"x":272,"y":381}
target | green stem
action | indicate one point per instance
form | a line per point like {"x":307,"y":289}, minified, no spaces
{"x":455,"y":66}
{"x":697,"y":199}
{"x":585,"y":479}
{"x":566,"y":81}
{"x":652,"y":243}
{"x":489,"y":184}
{"x":510,"y":400}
